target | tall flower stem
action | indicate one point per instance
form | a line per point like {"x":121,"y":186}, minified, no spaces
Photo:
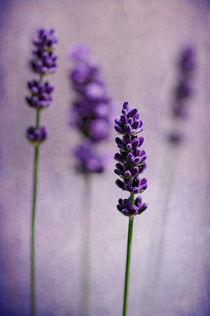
{"x":32,"y":246}
{"x":128,"y":260}
{"x":85,"y":247}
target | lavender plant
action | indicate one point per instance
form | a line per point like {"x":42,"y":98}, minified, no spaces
{"x":182,"y":95}
{"x":43,"y":62}
{"x":91,"y":116}
{"x":130,"y":165}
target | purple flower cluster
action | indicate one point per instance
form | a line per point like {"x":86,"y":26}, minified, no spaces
{"x":92,"y":105}
{"x":44,"y":59}
{"x":36,"y":135}
{"x":41,"y":94}
{"x":43,"y":62}
{"x":130,"y":161}
{"x":184,"y":88}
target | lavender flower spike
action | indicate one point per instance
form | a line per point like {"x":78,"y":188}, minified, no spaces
{"x":91,"y":108}
{"x":92,"y":104}
{"x":183,"y":91}
{"x":43,"y":62}
{"x":130,"y":161}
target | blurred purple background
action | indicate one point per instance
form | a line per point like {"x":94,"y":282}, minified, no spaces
{"x":137,"y":44}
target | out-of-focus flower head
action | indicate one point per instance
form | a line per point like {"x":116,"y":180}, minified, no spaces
{"x":92,"y":105}
{"x":184,"y":89}
{"x":88,"y":160}
{"x":91,"y":108}
{"x":187,"y":62}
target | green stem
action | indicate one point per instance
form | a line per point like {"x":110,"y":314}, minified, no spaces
{"x":128,"y":259}
{"x":33,"y":299}
{"x":32,"y":246}
{"x":85,"y":255}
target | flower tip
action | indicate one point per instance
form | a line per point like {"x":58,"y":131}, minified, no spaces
{"x":125,"y":105}
{"x":78,"y":51}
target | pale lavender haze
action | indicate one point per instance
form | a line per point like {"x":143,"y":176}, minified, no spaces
{"x":136,"y":43}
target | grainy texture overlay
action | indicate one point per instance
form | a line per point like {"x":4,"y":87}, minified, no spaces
{"x":137,"y":44}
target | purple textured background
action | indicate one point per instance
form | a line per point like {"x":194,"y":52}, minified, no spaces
{"x":137,"y":43}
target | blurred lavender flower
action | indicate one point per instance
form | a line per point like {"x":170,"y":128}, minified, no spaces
{"x":91,"y":108}
{"x":43,"y":62}
{"x":88,"y":159}
{"x":183,"y":92}
{"x":130,"y":160}
{"x":79,"y":51}
{"x":187,"y":61}
{"x":91,"y":116}
{"x":184,"y":89}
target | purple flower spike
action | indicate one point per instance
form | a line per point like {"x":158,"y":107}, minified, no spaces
{"x":36,"y":135}
{"x":43,"y":62}
{"x":130,"y":160}
{"x":44,"y":59}
{"x":89,"y":160}
{"x":184,"y":89}
{"x":91,"y":108}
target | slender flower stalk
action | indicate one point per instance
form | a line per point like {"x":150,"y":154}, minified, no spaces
{"x":91,"y":116}
{"x":130,"y":165}
{"x":42,"y":63}
{"x":182,"y":95}
{"x":127,"y":269}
